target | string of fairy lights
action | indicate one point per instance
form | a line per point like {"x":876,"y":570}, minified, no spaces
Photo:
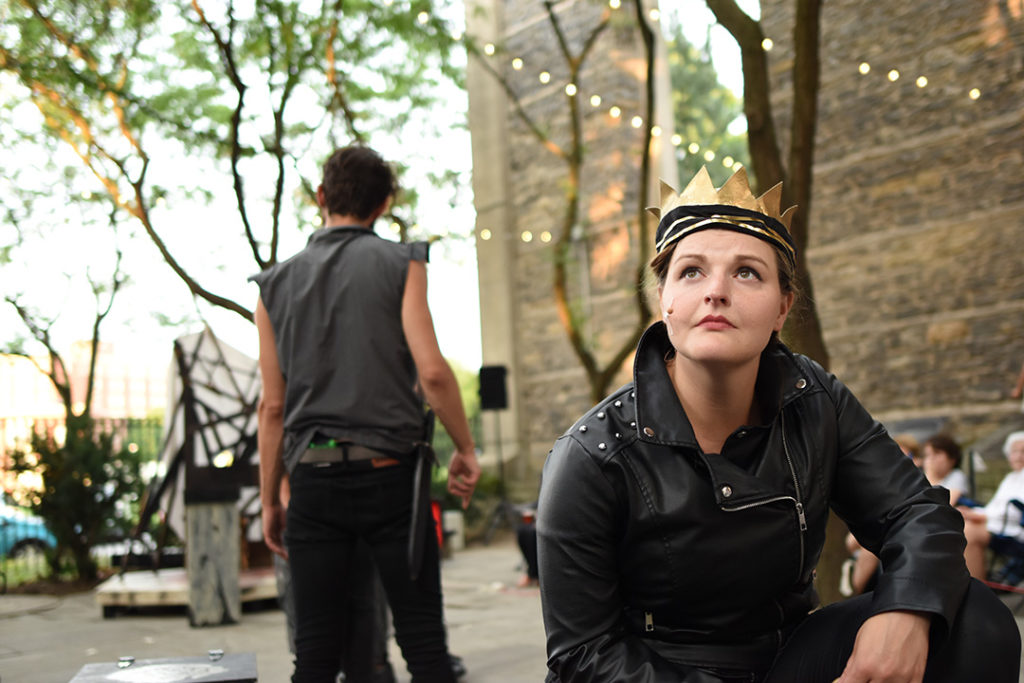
{"x":693,"y":147}
{"x":616,"y":114}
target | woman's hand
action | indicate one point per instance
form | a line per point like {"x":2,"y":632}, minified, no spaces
{"x":891,"y":647}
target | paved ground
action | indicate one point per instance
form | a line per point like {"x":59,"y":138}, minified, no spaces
{"x":495,"y":627}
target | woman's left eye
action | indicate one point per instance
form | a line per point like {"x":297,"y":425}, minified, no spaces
{"x":746,"y":273}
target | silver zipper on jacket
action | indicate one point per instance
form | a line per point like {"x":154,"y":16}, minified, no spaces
{"x":797,"y":503}
{"x":801,"y":517}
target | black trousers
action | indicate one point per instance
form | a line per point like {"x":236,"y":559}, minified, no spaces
{"x":983,"y":643}
{"x":331,"y":510}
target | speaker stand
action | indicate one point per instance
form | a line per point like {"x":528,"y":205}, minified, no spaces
{"x":505,"y":512}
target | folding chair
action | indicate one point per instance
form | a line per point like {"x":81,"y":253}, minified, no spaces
{"x":1006,"y":567}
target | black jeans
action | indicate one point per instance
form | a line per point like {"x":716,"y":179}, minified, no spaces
{"x":983,"y":643}
{"x":331,"y":509}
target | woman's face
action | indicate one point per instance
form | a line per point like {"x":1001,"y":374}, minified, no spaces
{"x":721,"y":298}
{"x":1016,"y":455}
{"x":937,"y":464}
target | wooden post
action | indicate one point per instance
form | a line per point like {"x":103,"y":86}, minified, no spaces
{"x":212,"y":560}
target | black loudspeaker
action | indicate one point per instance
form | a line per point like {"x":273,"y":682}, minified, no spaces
{"x":492,"y":387}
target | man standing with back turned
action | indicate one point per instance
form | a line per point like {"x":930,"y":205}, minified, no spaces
{"x":346,"y":337}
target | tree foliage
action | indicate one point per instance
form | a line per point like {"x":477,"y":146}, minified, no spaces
{"x":88,"y":479}
{"x":703,"y":111}
{"x":257,"y":92}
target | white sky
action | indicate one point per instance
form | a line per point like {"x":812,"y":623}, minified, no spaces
{"x":132,"y":327}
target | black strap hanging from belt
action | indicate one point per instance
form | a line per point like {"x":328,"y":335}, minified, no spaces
{"x":424,"y":459}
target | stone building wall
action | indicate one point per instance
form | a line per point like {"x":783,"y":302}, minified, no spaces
{"x":526,"y":194}
{"x":918,"y":214}
{"x":915,"y":227}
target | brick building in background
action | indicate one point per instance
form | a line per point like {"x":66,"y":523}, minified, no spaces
{"x":915,"y":227}
{"x":918,"y":215}
{"x":520,"y":189}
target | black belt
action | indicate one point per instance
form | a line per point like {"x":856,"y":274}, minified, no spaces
{"x":350,"y":454}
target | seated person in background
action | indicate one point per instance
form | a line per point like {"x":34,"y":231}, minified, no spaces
{"x":998,"y":524}
{"x":864,"y":569}
{"x":910,"y":447}
{"x":941,"y":460}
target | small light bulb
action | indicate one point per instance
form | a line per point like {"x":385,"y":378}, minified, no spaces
{"x":570,"y":89}
{"x":636,"y":122}
{"x":864,"y":68}
{"x":894,"y":75}
{"x":517,"y":63}
{"x":615,"y":112}
{"x":544,"y":77}
{"x":767,"y":44}
{"x":485,"y":234}
{"x":595,"y":100}
{"x":489,"y":49}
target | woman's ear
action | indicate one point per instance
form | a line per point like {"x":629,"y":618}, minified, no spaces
{"x":784,"y":308}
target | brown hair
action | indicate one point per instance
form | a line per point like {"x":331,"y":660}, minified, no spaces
{"x":907,"y":442}
{"x":946,"y":444}
{"x":356,"y":181}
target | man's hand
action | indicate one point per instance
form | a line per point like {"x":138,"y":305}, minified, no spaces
{"x":273,"y":528}
{"x":891,"y":647}
{"x":463,"y":473}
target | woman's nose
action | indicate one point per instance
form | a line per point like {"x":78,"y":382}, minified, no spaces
{"x":717,"y":292}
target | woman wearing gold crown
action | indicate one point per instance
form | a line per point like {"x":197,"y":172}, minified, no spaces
{"x":680,"y":520}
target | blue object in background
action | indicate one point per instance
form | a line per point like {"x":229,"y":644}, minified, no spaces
{"x":22,"y":533}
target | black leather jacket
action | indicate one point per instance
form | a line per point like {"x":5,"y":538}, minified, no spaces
{"x":658,"y":560}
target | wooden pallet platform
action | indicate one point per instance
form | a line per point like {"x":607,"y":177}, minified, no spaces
{"x":169,"y":588}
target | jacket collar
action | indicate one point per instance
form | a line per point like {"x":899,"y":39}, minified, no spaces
{"x":660,"y":417}
{"x":336,"y":232}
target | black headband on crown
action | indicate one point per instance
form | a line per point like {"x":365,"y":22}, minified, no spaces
{"x":686,"y":220}
{"x":701,"y":206}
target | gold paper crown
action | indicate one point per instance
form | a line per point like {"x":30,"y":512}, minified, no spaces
{"x":735,"y":192}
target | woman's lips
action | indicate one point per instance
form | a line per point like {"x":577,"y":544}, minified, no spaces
{"x":715,"y":322}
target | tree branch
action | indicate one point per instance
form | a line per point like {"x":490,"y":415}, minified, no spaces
{"x":541,"y":136}
{"x":225,"y":48}
{"x":764,"y":148}
{"x":41,"y":333}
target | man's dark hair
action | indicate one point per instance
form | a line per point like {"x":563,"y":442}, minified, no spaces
{"x":356,"y":181}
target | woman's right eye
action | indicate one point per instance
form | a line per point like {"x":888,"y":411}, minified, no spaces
{"x":689,"y":273}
